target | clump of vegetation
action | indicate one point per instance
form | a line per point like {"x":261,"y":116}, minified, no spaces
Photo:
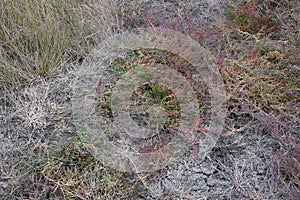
{"x":167,"y":112}
{"x":153,"y":94}
{"x":76,"y":173}
{"x":252,"y":18}
{"x":266,"y":75}
{"x":38,"y":38}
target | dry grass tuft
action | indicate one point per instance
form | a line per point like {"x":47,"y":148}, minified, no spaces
{"x":38,"y":38}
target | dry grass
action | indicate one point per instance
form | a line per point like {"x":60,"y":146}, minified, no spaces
{"x":39,"y":38}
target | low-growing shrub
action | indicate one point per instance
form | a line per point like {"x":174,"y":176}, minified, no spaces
{"x":252,"y":18}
